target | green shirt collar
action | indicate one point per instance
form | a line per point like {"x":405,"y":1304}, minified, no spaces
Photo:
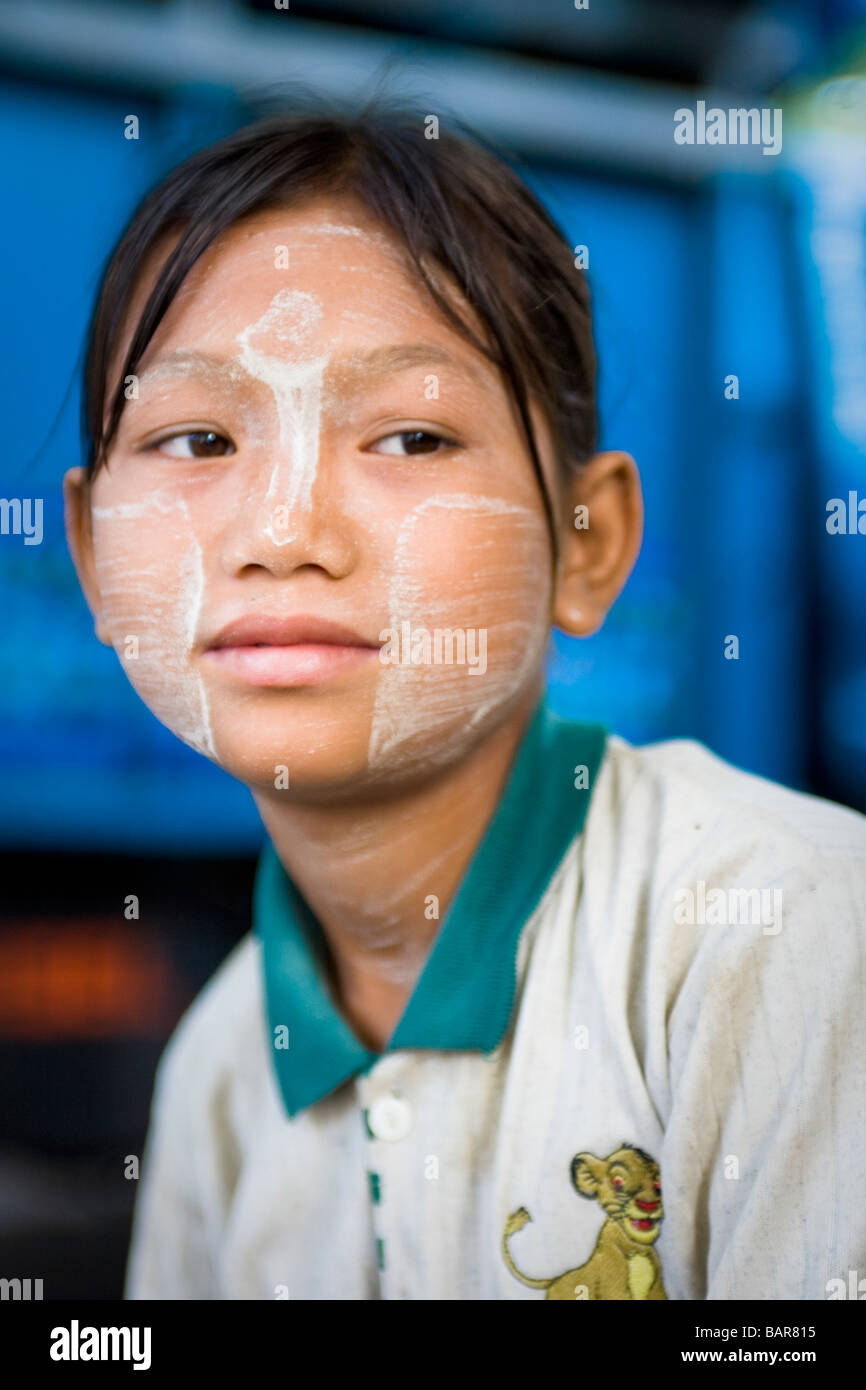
{"x":464,"y":996}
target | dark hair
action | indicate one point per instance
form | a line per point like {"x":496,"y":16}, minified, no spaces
{"x":448,"y":200}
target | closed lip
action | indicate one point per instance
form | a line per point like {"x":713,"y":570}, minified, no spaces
{"x":303,"y":629}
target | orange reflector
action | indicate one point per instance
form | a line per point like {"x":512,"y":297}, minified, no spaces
{"x":84,"y":979}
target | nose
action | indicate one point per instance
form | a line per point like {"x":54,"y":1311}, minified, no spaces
{"x":646,"y":1206}
{"x":290,"y":511}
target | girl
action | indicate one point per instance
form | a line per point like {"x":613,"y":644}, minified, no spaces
{"x":342,"y":479}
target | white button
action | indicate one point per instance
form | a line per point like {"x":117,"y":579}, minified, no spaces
{"x":390,"y":1118}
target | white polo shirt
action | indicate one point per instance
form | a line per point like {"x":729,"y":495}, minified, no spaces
{"x":634,"y":1065}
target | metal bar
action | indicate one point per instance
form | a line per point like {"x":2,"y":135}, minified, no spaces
{"x":538,"y":110}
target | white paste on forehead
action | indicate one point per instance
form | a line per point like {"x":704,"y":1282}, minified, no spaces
{"x":166,"y":629}
{"x":404,"y":707}
{"x":347,"y":229}
{"x":296,"y":383}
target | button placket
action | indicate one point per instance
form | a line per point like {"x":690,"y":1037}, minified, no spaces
{"x":388,"y":1119}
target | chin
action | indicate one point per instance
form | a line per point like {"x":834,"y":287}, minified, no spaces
{"x":295,"y":764}
{"x":321,"y":748}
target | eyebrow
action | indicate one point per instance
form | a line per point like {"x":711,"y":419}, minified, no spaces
{"x":398,"y":357}
{"x":183,"y":362}
{"x":354,"y":367}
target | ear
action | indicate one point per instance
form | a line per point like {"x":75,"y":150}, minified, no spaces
{"x":601,"y":529}
{"x":79,"y":538}
{"x":586,"y":1174}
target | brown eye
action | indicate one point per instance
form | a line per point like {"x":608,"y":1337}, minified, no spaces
{"x":414,"y":442}
{"x":196,"y":444}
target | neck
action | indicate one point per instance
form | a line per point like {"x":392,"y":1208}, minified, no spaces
{"x":380,"y":874}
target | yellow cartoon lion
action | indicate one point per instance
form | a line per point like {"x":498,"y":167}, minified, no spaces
{"x":627,"y":1185}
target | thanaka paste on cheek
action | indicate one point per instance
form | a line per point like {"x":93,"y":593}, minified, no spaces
{"x":446,"y":701}
{"x":152,"y":616}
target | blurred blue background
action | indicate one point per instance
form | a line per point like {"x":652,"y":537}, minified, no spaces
{"x":706,"y":262}
{"x":703,"y":263}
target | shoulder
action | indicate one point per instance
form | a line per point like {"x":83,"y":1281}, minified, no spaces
{"x":703,"y":806}
{"x":689,"y":863}
{"x":737,"y":911}
{"x":220,"y":1033}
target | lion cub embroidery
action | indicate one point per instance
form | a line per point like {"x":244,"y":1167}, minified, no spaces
{"x":627,"y":1186}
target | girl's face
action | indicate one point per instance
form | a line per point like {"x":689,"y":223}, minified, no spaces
{"x":316,"y":476}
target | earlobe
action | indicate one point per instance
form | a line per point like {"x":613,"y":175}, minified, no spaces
{"x":573,"y":610}
{"x":102,"y":633}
